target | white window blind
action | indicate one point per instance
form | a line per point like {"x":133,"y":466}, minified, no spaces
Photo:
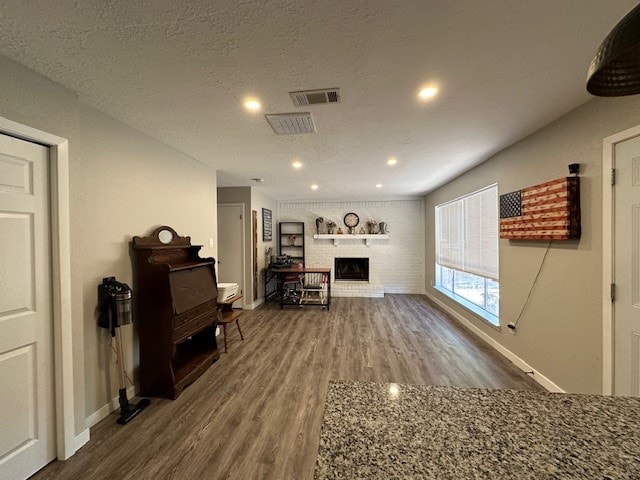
{"x":467,"y":233}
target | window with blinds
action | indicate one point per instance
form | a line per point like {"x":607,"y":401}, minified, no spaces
{"x":467,"y":251}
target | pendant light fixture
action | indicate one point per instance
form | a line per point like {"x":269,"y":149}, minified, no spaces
{"x":615,"y":70}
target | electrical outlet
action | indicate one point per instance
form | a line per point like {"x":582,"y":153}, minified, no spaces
{"x":512,"y":328}
{"x":211,"y":243}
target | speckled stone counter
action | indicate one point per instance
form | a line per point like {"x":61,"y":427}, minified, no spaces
{"x":376,"y":431}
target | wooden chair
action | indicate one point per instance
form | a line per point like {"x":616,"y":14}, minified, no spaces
{"x":313,"y":288}
{"x":227,"y":315}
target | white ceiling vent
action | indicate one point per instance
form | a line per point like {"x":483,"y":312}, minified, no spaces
{"x":291,"y":123}
{"x":315,"y":97}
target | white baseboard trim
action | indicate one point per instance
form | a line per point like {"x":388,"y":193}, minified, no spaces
{"x":82,"y":439}
{"x":107,"y":408}
{"x":255,"y":304}
{"x":508,"y":354}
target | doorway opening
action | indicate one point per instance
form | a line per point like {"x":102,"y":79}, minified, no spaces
{"x":66,"y":441}
{"x":621,"y":332}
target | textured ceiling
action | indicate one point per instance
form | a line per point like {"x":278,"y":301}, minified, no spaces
{"x":179,"y":70}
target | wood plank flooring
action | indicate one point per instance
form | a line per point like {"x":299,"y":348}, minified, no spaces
{"x":256,"y":413}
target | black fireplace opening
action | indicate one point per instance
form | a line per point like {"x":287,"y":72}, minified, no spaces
{"x":352,"y":269}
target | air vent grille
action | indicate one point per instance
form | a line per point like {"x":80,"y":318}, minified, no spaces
{"x":299,"y":99}
{"x":291,"y":123}
{"x":315,"y":97}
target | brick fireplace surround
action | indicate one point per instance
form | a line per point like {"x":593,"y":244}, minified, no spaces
{"x":396,"y":264}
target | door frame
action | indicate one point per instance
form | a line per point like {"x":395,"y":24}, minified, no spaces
{"x":242,"y":247}
{"x":608,"y":256}
{"x":66,"y":444}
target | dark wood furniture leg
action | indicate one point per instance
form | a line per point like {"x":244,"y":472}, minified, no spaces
{"x":224,"y":330}
{"x":226,"y":315}
{"x":239,"y":331}
{"x":281,"y":286}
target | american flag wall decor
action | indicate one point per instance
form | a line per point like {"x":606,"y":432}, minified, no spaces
{"x":549,"y":211}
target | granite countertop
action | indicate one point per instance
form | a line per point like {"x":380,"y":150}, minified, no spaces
{"x":376,"y":431}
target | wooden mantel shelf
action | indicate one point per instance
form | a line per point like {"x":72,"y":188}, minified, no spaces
{"x":346,"y":236}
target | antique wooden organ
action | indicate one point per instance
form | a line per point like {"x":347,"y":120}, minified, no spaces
{"x":176,"y":311}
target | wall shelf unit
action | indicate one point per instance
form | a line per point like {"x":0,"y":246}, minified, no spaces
{"x":291,"y":240}
{"x":367,"y":238}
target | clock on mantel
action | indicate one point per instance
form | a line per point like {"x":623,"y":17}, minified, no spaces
{"x":351,"y":220}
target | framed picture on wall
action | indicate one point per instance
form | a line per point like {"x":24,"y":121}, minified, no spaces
{"x":267,"y":225}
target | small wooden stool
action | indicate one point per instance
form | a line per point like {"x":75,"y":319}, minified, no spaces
{"x":226,"y":315}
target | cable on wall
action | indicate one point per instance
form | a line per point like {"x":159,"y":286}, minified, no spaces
{"x":535,"y":280}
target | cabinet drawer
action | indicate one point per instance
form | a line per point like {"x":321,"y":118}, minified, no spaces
{"x":186,"y":317}
{"x":194,"y":326}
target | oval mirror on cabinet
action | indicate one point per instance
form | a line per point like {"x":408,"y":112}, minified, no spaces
{"x":165,"y":236}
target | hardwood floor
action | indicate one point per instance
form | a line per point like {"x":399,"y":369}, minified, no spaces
{"x":257,"y":412}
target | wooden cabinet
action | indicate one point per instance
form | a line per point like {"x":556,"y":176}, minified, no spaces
{"x":175,"y":295}
{"x":291,"y":240}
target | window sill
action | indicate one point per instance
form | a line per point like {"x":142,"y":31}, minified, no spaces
{"x":491,"y":319}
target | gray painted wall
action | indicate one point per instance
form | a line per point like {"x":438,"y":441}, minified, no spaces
{"x":560,"y":333}
{"x":122,"y":183}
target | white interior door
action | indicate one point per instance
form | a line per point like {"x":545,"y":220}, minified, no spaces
{"x":231,"y":244}
{"x":627,"y":268}
{"x":27,"y":424}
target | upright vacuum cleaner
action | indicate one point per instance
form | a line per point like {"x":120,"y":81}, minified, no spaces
{"x":114,"y":304}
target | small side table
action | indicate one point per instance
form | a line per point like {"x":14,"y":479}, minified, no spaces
{"x":226,"y":315}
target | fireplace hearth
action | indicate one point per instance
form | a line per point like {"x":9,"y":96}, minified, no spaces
{"x":352,"y":269}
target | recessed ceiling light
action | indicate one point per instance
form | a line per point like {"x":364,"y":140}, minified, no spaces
{"x":314,"y":187}
{"x":392,"y":161}
{"x":428,"y":92}
{"x":252,"y":104}
{"x":378,"y":185}
{"x":297,"y":164}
